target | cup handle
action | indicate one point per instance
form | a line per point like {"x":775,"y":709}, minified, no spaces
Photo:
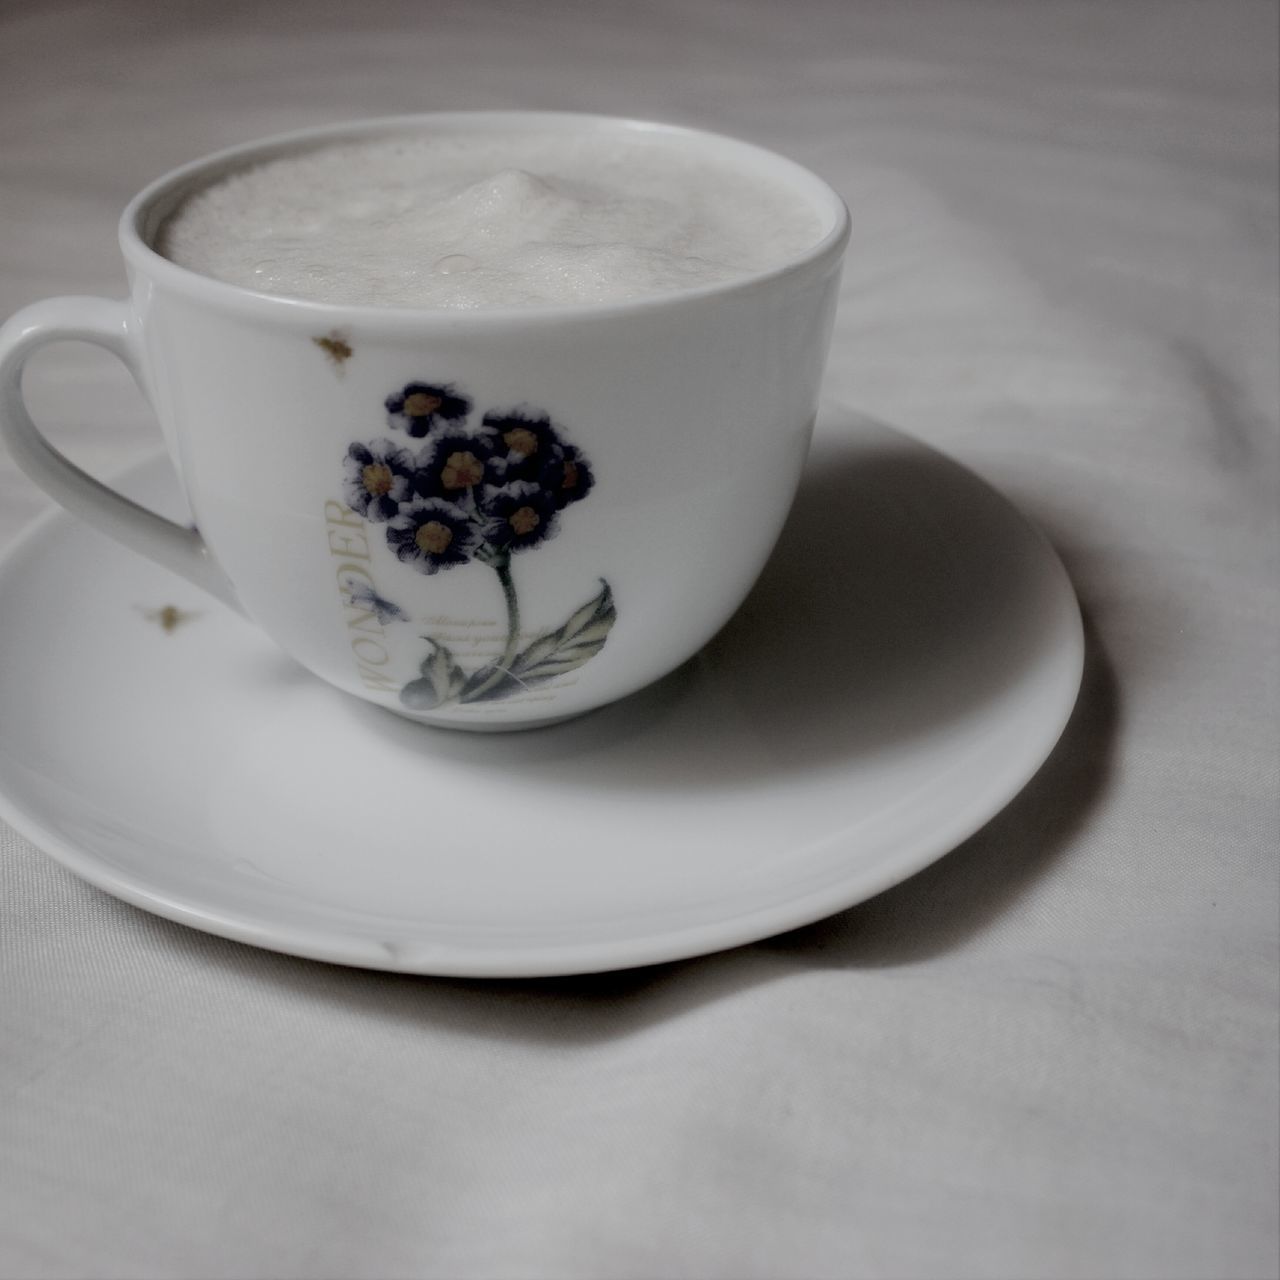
{"x":112,"y":326}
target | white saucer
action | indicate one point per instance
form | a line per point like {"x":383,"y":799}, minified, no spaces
{"x":906,"y":662}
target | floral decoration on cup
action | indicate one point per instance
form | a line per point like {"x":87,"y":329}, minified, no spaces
{"x":476,"y":494}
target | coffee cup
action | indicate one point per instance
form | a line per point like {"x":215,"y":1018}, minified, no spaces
{"x":482,"y":517}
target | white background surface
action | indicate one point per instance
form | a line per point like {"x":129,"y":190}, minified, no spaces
{"x":1053,"y":1054}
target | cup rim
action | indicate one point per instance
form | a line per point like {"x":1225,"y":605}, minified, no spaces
{"x":144,"y":213}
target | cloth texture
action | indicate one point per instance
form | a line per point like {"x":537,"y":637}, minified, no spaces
{"x":1053,"y":1053}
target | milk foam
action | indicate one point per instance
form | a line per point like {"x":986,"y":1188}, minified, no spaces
{"x":472,"y":221}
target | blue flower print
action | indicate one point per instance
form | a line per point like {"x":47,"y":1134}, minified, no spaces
{"x":524,"y":442}
{"x":451,"y":464}
{"x":567,"y":476}
{"x":430,"y":534}
{"x":520,"y":515}
{"x":419,"y":406}
{"x":379,"y":477}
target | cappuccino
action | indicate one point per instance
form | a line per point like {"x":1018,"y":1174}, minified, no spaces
{"x":477,"y":220}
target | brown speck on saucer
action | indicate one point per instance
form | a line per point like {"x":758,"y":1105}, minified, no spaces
{"x":169,"y":617}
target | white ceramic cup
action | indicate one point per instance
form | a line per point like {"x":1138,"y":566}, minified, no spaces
{"x":661,"y":441}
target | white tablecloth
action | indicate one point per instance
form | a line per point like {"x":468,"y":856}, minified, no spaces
{"x":1052,"y":1054}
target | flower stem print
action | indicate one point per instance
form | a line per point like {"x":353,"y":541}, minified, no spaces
{"x":489,"y":677}
{"x":556,"y":652}
{"x":480,"y":494}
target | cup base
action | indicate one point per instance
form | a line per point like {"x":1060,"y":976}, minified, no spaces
{"x":486,"y":727}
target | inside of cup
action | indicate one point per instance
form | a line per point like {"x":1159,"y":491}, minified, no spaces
{"x":149,"y":213}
